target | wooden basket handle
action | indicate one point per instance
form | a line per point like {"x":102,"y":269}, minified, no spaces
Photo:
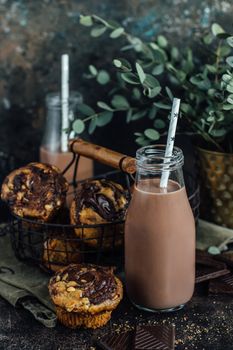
{"x":103,"y":155}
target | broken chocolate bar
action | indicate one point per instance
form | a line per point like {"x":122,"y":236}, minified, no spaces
{"x":114,"y":341}
{"x":160,"y":337}
{"x":157,"y":337}
{"x":222,"y":285}
{"x":207,"y":268}
{"x":227,"y":258}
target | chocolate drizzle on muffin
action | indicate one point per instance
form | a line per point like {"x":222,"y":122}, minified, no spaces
{"x":96,"y":282}
{"x":35,"y":191}
{"x":108,"y":204}
{"x":85,"y":295}
{"x":100,"y":202}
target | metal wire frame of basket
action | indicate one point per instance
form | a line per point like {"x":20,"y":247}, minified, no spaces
{"x":53,"y":245}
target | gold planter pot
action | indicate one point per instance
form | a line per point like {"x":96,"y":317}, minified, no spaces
{"x":216,"y":171}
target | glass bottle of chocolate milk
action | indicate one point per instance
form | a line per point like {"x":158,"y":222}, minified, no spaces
{"x":159,"y":234}
{"x":50,"y":150}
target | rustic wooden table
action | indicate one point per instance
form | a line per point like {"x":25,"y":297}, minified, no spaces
{"x":205,"y":323}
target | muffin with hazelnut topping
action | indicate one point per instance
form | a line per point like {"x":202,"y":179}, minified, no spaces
{"x":85,"y":295}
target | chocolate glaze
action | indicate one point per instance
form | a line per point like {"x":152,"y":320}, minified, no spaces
{"x":96,"y":282}
{"x":38,"y":186}
{"x":89,"y":196}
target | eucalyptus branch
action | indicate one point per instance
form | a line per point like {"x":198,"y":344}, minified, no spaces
{"x":207,"y":100}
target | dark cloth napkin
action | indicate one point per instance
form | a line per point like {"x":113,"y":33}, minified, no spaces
{"x":24,"y":284}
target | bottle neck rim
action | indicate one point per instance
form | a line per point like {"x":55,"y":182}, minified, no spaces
{"x":53,"y":99}
{"x":152,"y":159}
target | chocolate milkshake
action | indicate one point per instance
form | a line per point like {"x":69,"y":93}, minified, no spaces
{"x":159,"y":242}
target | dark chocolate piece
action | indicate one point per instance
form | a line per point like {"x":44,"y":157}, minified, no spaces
{"x":207,"y":268}
{"x":157,"y":337}
{"x":223,"y":285}
{"x":114,"y":341}
{"x":227,"y":258}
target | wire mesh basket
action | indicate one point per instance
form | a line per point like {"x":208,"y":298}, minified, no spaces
{"x":53,"y":245}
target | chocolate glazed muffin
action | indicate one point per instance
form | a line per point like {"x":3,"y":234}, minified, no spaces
{"x":99,"y":202}
{"x":35,"y":191}
{"x":85,"y":295}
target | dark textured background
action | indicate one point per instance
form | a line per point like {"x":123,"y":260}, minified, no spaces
{"x":33,"y":35}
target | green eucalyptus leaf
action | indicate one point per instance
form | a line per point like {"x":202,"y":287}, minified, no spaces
{"x":100,"y":20}
{"x":162,"y":41}
{"x":227,"y":107}
{"x":162,"y":105}
{"x":229,"y":88}
{"x":130,"y":78}
{"x":152,"y":112}
{"x":117,"y":63}
{"x":78,"y":126}
{"x":217,"y":29}
{"x":181,"y":75}
{"x":104,"y":118}
{"x":93,"y":70}
{"x":157,"y":70}
{"x":159,"y":124}
{"x":104,"y":105}
{"x":129,"y":115}
{"x":200,"y":81}
{"x":230,"y":99}
{"x":224,"y":51}
{"x":226,"y":78}
{"x":169,"y":93}
{"x":86,"y":21}
{"x":208,"y":39}
{"x":230,"y":41}
{"x":151,"y":92}
{"x":214,"y":250}
{"x":123,"y":64}
{"x":210,"y":119}
{"x":175,"y":53}
{"x":116,"y":33}
{"x":141,"y":74}
{"x":98,"y":31}
{"x":138,"y":134}
{"x":229,"y":61}
{"x":160,"y":56}
{"x":85,"y":109}
{"x":211,"y":92}
{"x":92,"y":126}
{"x":103,"y":77}
{"x":185,"y":107}
{"x":138,"y":115}
{"x":136,"y":93}
{"x":136,"y":42}
{"x":211,"y":69}
{"x":218,"y":132}
{"x":142,"y":141}
{"x":120,"y":102}
{"x":151,"y":81}
{"x":154,"y":46}
{"x":152,"y":134}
